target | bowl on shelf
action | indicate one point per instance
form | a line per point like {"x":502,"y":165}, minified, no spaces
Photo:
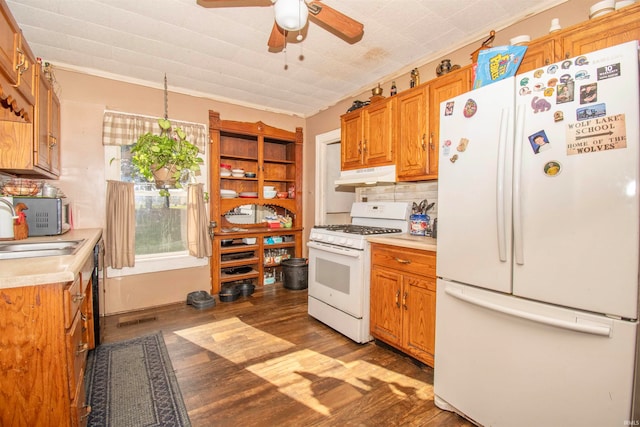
{"x":268,"y":187}
{"x":237,"y":173}
{"x":282,"y":194}
{"x":269,"y":194}
{"x":250,"y":174}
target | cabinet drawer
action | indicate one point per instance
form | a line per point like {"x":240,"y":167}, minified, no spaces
{"x":79,"y":408}
{"x":407,"y":260}
{"x":76,"y":354}
{"x":73,"y":297}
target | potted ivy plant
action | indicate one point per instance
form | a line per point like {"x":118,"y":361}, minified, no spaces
{"x":166,"y":157}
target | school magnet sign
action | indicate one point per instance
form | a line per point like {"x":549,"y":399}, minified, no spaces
{"x":594,"y":135}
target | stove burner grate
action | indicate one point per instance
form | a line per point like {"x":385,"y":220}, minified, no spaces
{"x":359,"y":229}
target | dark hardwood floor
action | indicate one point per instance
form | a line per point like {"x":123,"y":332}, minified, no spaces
{"x":262,"y":361}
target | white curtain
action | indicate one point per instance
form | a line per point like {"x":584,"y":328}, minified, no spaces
{"x":197,"y":222}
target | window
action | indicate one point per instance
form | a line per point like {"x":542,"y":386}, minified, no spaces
{"x":161,"y":222}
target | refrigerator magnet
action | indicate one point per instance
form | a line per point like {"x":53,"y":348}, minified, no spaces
{"x":524,"y":81}
{"x":454,"y":158}
{"x":540,"y":104}
{"x":581,"y":60}
{"x":589,"y":93}
{"x":558,"y":116}
{"x":552,"y":82}
{"x":539,"y":142}
{"x":548,"y":92}
{"x":565,"y":65}
{"x":582,"y":75}
{"x":608,"y":71}
{"x":470,"y":108}
{"x":552,"y":69}
{"x":446,"y":147}
{"x":552,"y":168}
{"x":462,"y":146}
{"x":448,"y":109}
{"x":591,"y":112}
{"x":538,"y":73}
{"x":564,"y":92}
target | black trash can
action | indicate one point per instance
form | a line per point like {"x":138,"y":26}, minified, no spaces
{"x":296,"y":273}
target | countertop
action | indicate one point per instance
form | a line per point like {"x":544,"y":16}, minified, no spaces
{"x":406,"y":240}
{"x":15,"y":273}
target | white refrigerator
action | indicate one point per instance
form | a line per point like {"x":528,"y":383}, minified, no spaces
{"x":538,"y":246}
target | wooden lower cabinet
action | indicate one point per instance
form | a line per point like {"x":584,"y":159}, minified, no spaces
{"x":45,"y":334}
{"x":403,"y":299}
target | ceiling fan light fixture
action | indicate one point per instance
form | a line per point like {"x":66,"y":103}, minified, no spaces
{"x":291,"y":15}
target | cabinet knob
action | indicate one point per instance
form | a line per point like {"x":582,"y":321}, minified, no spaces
{"x":398,"y":298}
{"x":431,"y":146}
{"x":403,"y":261}
{"x":78,"y":297}
{"x":82,"y":347}
{"x":404,"y":300}
{"x":424,"y":145}
{"x":360,"y":147}
{"x":87,"y":411}
{"x":364,"y":146}
{"x":53,"y":141}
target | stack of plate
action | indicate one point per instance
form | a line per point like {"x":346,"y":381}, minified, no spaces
{"x":249,"y":195}
{"x":228,"y":194}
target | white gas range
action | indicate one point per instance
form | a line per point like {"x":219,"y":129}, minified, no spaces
{"x":340,"y":262}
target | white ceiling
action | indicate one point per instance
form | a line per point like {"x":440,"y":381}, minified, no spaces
{"x":221,"y":53}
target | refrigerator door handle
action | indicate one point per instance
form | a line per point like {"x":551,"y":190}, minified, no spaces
{"x":517,"y":189}
{"x":604,"y":331}
{"x":500,"y":187}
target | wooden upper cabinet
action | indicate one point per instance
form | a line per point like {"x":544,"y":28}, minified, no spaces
{"x":411,"y":132}
{"x":9,"y":44}
{"x":541,"y":52}
{"x":351,"y":140}
{"x":367,"y":136}
{"x":47,"y":128}
{"x":608,"y":30}
{"x":17,"y":65}
{"x":441,"y":89}
{"x":418,"y":122}
{"x":378,"y":144}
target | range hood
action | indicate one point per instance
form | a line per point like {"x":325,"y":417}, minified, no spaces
{"x":368,"y":176}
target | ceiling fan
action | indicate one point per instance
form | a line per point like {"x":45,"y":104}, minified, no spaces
{"x":291,"y":16}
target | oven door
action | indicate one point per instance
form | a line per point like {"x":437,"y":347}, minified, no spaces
{"x":337,"y":277}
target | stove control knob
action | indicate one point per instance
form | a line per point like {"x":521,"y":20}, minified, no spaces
{"x":330,"y":239}
{"x":342,"y":241}
{"x":349,"y":242}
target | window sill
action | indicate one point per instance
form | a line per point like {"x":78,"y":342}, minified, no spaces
{"x":155,"y":263}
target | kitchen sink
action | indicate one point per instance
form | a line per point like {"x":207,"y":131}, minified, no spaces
{"x":13,"y":250}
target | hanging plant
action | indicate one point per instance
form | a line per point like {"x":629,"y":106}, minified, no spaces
{"x":165,"y":158}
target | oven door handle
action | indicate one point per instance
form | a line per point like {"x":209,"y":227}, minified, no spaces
{"x":354,"y":253}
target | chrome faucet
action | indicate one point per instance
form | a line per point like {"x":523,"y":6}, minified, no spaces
{"x":8,"y":203}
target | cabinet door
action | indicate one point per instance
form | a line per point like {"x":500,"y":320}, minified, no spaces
{"x":351,"y":141}
{"x":419,"y":306}
{"x":411,"y":131}
{"x":539,"y":53}
{"x":386,"y":316}
{"x":606,"y":31}
{"x":9,"y":43}
{"x":441,"y":89}
{"x":378,"y":134}
{"x":41,"y":145}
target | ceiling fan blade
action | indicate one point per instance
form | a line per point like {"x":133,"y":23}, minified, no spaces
{"x":336,"y":21}
{"x":276,"y":39}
